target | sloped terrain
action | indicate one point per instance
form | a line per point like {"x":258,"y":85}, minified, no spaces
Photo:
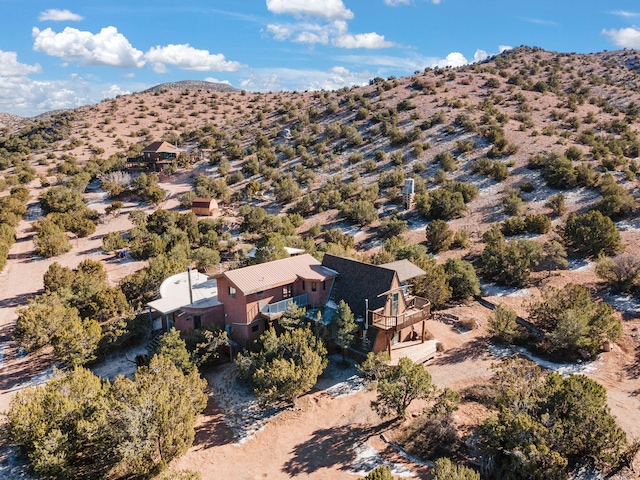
{"x":497,"y":125}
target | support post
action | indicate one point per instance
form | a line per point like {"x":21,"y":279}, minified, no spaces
{"x":423,"y":330}
{"x":366,"y":314}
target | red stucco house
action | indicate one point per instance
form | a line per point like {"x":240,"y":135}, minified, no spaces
{"x":243,"y":301}
{"x":256,"y":295}
{"x":247,"y":300}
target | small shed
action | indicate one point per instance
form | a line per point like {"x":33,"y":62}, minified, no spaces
{"x":204,"y":206}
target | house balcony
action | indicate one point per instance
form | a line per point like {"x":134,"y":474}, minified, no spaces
{"x":275,"y":310}
{"x":418,"y":309}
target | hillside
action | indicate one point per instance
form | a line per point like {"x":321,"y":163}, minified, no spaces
{"x":192,"y":85}
{"x":538,"y":102}
{"x":525,"y":141}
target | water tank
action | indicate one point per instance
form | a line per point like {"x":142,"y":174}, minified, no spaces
{"x":408,"y":187}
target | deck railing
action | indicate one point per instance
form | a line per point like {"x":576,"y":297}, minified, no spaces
{"x":277,"y":308}
{"x":418,"y":309}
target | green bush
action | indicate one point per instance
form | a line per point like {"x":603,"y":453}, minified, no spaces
{"x":591,"y":233}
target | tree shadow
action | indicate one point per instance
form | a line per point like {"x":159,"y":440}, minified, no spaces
{"x":19,"y":300}
{"x":633,"y":369}
{"x":473,"y":350}
{"x":329,"y":447}
{"x":213,"y":432}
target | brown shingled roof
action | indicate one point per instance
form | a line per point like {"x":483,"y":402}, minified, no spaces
{"x":359,"y":281}
{"x":264,"y":276}
{"x":158,"y":147}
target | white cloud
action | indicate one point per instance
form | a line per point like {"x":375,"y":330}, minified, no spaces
{"x":504,"y":48}
{"x":271,"y":80}
{"x":480,"y":55}
{"x":625,"y":37}
{"x":331,"y":29}
{"x":281,"y":32}
{"x":215,"y":80}
{"x":336,"y":33}
{"x":454,"y":59}
{"x":113,"y":91}
{"x":56,"y":15}
{"x":10,"y":67}
{"x":188,"y":58}
{"x":26,"y":97}
{"x":329,"y":9}
{"x":626,"y":14}
{"x":362,"y":40}
{"x":108,"y":47}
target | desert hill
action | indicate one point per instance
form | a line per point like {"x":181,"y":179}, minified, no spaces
{"x":7,"y":120}
{"x":492,"y":143}
{"x":538,"y":101}
{"x":193,"y":85}
{"x":482,"y":124}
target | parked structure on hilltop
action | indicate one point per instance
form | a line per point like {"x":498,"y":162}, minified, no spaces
{"x":155,"y":156}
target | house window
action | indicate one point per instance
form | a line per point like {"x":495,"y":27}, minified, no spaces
{"x":197,"y":321}
{"x":314,"y":286}
{"x":232,"y":292}
{"x":304,"y":285}
{"x":287,"y":291}
{"x":324,"y":285}
{"x":255,"y":328}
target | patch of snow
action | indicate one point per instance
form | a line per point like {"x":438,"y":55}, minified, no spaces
{"x":36,"y":379}
{"x":367,"y":459}
{"x":242,"y":412}
{"x":351,"y":385}
{"x":580,"y":265}
{"x":624,"y":303}
{"x":507,"y":351}
{"x":582,"y":196}
{"x":625,"y":225}
{"x":120,"y":364}
{"x":11,"y":466}
{"x":418,"y":225}
{"x":524,"y":236}
{"x":339,"y":379}
{"x":493,"y":290}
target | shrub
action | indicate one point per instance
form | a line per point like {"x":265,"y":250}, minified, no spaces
{"x":512,"y":204}
{"x":591,"y":233}
{"x":446,"y":161}
{"x":502,"y":324}
{"x":620,"y":272}
{"x":439,"y":235}
{"x":573,"y":323}
{"x":361,"y":212}
{"x":508,"y":263}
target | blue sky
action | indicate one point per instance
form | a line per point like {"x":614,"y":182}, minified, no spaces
{"x":70,"y":53}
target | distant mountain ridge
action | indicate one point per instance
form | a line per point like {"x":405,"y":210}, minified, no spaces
{"x":193,"y":85}
{"x":8,"y":120}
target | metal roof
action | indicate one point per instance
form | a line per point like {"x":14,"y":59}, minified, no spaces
{"x":405,"y":269}
{"x":257,"y":278}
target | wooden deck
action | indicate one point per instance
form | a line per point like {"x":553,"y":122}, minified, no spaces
{"x":415,"y":350}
